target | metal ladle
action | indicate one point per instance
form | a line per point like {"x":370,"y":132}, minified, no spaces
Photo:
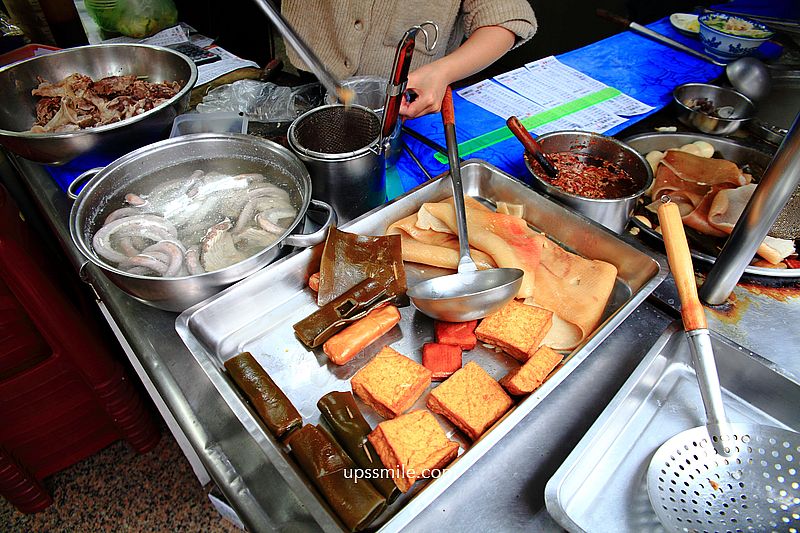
{"x":311,"y":60}
{"x":471,"y":294}
{"x":721,"y":476}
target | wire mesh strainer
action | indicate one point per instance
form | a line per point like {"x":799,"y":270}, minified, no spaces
{"x":336,"y":129}
{"x":720,"y":477}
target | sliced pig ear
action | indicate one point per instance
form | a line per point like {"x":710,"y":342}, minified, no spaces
{"x":728,"y":206}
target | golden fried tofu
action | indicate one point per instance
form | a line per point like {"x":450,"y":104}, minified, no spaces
{"x":517,"y":329}
{"x":411,"y":446}
{"x":391,"y":382}
{"x":532,"y":373}
{"x":470,"y":399}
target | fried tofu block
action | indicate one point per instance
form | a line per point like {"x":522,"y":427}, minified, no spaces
{"x":441,"y":359}
{"x":411,"y":446}
{"x":470,"y":399}
{"x":391,"y":382}
{"x":532,"y":373}
{"x":517,"y":329}
{"x":460,"y":334}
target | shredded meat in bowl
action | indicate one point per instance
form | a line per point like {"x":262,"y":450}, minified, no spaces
{"x":78,"y":102}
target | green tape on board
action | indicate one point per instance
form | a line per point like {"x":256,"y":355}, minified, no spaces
{"x":534,"y":121}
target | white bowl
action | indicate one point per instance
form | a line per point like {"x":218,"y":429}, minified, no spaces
{"x":730,"y":43}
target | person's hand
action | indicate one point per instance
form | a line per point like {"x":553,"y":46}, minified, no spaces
{"x":429,"y":82}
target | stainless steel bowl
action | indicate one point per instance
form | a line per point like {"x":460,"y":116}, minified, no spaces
{"x":18,"y":112}
{"x":733,"y":104}
{"x":611,"y":213}
{"x":142,"y":169}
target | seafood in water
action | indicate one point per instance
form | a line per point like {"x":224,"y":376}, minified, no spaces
{"x":202,"y":223}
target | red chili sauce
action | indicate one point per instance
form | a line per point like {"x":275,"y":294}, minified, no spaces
{"x":586,"y":176}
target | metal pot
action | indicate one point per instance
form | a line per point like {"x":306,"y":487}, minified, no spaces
{"x":142,"y":169}
{"x":18,"y":112}
{"x":342,"y":149}
{"x":611,"y":213}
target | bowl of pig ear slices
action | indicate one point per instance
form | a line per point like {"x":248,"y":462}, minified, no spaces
{"x":712,"y":179}
{"x":103,"y":99}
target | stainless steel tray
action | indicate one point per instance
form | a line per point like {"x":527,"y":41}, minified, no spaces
{"x":257,"y":315}
{"x":602,"y":485}
{"x":731,"y":150}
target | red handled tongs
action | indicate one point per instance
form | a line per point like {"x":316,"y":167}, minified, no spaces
{"x":396,"y":88}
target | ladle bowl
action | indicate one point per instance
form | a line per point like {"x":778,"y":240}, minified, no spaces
{"x":467,"y":295}
{"x":471,"y":293}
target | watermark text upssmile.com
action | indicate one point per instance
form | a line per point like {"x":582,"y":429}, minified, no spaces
{"x":385,"y":473}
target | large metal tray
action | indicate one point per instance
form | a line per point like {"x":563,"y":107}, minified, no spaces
{"x":702,"y":245}
{"x":257,"y":314}
{"x":602,"y":485}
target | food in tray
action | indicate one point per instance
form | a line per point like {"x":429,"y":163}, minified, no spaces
{"x":199,"y":223}
{"x":348,"y":259}
{"x":350,"y":307}
{"x":441,"y":359}
{"x":710,"y":193}
{"x":575,"y":289}
{"x":269,"y":401}
{"x":78,"y":102}
{"x":471,"y":400}
{"x":390,"y":383}
{"x":347,"y":343}
{"x":461,"y":334}
{"x":435,"y":248}
{"x":313,"y":282}
{"x":528,"y":377}
{"x":413,"y":446}
{"x":330,"y":469}
{"x":586,"y":176}
{"x":517,"y":329}
{"x":344,"y":418}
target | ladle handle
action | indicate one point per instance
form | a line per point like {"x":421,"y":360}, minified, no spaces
{"x":680,"y":263}
{"x":465,"y":262}
{"x":694,"y":317}
{"x":530,"y":144}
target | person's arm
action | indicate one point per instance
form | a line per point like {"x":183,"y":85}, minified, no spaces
{"x":485,"y":46}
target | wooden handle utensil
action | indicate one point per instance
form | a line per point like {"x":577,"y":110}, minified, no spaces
{"x":531,"y":146}
{"x":680,"y":263}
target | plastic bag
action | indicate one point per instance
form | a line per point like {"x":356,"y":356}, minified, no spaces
{"x":262,"y":101}
{"x":134,"y":18}
{"x":370,"y":91}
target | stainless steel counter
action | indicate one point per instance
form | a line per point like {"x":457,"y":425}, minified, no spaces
{"x":502,"y":492}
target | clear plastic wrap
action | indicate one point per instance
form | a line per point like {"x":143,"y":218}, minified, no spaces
{"x":370,"y":91}
{"x":263,"y":101}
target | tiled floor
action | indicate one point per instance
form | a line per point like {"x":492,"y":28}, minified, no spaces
{"x":118,"y":490}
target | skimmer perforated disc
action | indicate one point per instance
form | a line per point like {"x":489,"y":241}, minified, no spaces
{"x":693,"y":488}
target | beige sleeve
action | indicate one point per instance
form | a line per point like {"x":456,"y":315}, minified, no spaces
{"x":514,"y":15}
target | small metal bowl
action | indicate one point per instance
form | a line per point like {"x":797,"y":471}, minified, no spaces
{"x":612,"y":213}
{"x":732,"y":104}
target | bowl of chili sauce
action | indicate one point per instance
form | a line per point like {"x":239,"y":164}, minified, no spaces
{"x":598,"y":176}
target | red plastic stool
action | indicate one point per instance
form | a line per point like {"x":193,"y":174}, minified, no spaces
{"x":63,"y":396}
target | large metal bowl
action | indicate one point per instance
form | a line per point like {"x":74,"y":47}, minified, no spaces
{"x":611,"y":213}
{"x":142,"y":169}
{"x":18,"y":111}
